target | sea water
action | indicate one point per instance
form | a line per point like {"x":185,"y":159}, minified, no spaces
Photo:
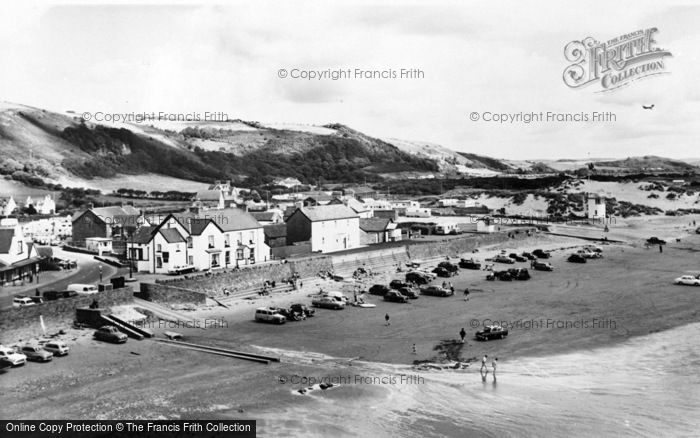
{"x":646,"y":386}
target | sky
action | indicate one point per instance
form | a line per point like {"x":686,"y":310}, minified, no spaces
{"x":478,"y":57}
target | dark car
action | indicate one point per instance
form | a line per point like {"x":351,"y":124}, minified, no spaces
{"x":408,"y":292}
{"x":517,"y":257}
{"x":395,"y":297}
{"x":436,"y":291}
{"x":289,"y":314}
{"x":542,"y":266}
{"x":521,"y":274}
{"x":302,"y":309}
{"x":417,"y":278}
{"x":503,"y":259}
{"x":397,"y":284}
{"x":36,"y":353}
{"x":501,"y":275}
{"x":540,"y":254}
{"x":491,"y":332}
{"x":442,"y":272}
{"x":451,"y":267}
{"x":51,"y":295}
{"x":576,"y":258}
{"x":378,"y":289}
{"x":110,"y":333}
{"x":528,"y":256}
{"x":469,"y":264}
{"x":655,"y":241}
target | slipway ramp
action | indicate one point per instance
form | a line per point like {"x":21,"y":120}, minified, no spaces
{"x":165,"y":313}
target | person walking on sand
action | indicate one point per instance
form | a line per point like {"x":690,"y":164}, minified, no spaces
{"x":414,"y":349}
{"x":386,"y":318}
{"x":493,"y":365}
{"x":661,"y":248}
{"x":462,"y":334}
{"x":466,"y":294}
{"x":483,"y":364}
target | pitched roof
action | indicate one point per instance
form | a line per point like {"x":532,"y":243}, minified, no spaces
{"x":6,"y":235}
{"x":374,"y":225}
{"x":327,"y":212}
{"x":275,"y":231}
{"x":111,"y":212}
{"x":172,"y":235}
{"x":234,"y":219}
{"x":263,"y":215}
{"x":143,"y":235}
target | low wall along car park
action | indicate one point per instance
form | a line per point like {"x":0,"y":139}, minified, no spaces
{"x":18,"y":317}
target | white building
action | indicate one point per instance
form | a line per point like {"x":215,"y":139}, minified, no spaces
{"x":19,"y":259}
{"x":215,"y":239}
{"x":9,"y":206}
{"x":595,"y":206}
{"x":418,"y":212}
{"x":100,"y":245}
{"x":329,"y":228}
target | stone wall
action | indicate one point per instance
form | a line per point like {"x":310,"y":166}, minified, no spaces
{"x":63,"y":309}
{"x":250,"y":277}
{"x":457,"y":246}
{"x":166,"y":293}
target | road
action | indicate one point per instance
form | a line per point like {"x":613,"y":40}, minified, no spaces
{"x":88,"y":272}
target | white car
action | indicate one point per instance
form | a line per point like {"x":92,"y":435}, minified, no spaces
{"x":269,"y":314}
{"x":12,"y":357}
{"x":83,"y":289}
{"x":58,"y":348}
{"x":22,"y":302}
{"x":690,"y":280}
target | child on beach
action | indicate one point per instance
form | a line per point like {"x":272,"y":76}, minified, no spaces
{"x":386,"y":318}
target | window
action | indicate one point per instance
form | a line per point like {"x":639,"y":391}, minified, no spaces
{"x":190,"y":260}
{"x":227,"y":240}
{"x":159,"y":262}
{"x":252,"y":254}
{"x":189,"y":241}
{"x":227,"y":258}
{"x":158,"y":248}
{"x":166,"y":257}
{"x":20,"y":247}
{"x":252,"y":236}
{"x":137,"y":254}
{"x":211,"y":241}
{"x":215,"y":260}
{"x":239,"y":254}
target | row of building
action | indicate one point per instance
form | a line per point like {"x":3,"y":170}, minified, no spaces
{"x":43,"y":206}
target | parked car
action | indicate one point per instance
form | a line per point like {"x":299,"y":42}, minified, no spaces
{"x":269,"y":314}
{"x":491,"y":332}
{"x":517,"y":258}
{"x":288,"y":314}
{"x":521,"y":274}
{"x":469,"y":264}
{"x":395,"y":297}
{"x":528,"y":256}
{"x":51,"y":295}
{"x":540,"y":254}
{"x":503,"y":259}
{"x":14,"y":358}
{"x":542,"y":266}
{"x":500,"y":275}
{"x":655,"y":241}
{"x":328,"y":302}
{"x":451,"y":267}
{"x":586,"y":254}
{"x":436,"y":291}
{"x":409,"y":293}
{"x":35,"y":353}
{"x":442,"y":272}
{"x":109,"y":333}
{"x":397,"y":284}
{"x":303,"y":308}
{"x":21,"y":301}
{"x":58,"y":348}
{"x":378,"y":289}
{"x":688,"y":280}
{"x":593,"y":248}
{"x":417,"y":277}
{"x":83,"y":289}
{"x":576,"y":258}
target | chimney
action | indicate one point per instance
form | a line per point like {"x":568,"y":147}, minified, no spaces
{"x":90,"y":206}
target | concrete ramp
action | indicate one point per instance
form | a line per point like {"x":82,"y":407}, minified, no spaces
{"x":164,"y":313}
{"x":124,"y":328}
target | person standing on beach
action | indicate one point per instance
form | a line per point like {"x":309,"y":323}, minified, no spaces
{"x":386,"y":318}
{"x":414,"y":349}
{"x":462,"y":334}
{"x":493,"y":365}
{"x":466,"y":294}
{"x":483,"y":363}
{"x":661,"y":248}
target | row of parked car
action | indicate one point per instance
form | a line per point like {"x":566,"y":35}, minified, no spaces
{"x":280,"y":315}
{"x":50,"y":295}
{"x":14,"y":357}
{"x":587,"y":252}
